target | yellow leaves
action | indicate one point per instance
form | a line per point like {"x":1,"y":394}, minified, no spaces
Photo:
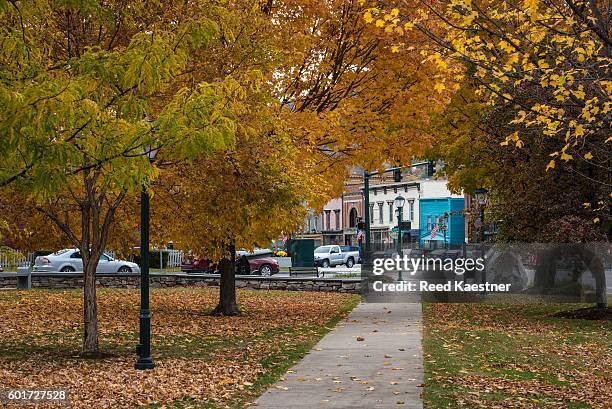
{"x":551,"y":165}
{"x":408,"y":26}
{"x":380,"y":23}
{"x":588,"y":156}
{"x":507,"y":47}
{"x":543,"y":64}
{"x":519,"y":118}
{"x":564,"y":155}
{"x":367,"y":16}
{"x":512,"y":59}
{"x":395,"y":48}
{"x":579,"y":130}
{"x":532,"y":6}
{"x":579,"y":93}
{"x":514,"y":137}
{"x":596,"y":220}
{"x":439,"y":87}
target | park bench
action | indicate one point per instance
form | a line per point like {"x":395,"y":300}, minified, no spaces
{"x":24,"y":277}
{"x":298,"y":271}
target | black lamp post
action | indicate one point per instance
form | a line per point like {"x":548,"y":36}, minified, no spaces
{"x":144,"y":346}
{"x":399,"y":205}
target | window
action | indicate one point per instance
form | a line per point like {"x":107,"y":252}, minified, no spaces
{"x":390,"y":211}
{"x":327,"y":220}
{"x":428,"y":223}
{"x":337,"y":217}
{"x":372,"y":213}
{"x":76,"y":254}
{"x":353,"y":218}
{"x":104,"y":257}
{"x":411,"y":204}
{"x":381,"y":212}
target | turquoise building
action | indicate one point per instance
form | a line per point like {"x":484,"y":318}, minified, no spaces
{"x":441,"y":222}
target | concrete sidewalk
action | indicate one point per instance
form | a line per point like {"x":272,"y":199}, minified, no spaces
{"x":371,"y":360}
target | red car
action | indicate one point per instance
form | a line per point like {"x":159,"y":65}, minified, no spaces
{"x":198,"y":265}
{"x":245,"y":265}
{"x":262,"y":265}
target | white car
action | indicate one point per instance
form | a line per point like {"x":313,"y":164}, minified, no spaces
{"x":69,"y":260}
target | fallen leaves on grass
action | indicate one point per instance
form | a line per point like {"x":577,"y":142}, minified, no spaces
{"x":493,"y":356}
{"x":199,"y":358}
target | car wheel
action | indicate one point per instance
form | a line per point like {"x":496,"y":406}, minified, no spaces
{"x":350,"y":263}
{"x":265,"y":270}
{"x":125,"y":269}
{"x":325,"y":264}
{"x":67,"y":269}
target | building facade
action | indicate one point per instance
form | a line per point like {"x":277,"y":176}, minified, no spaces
{"x":383,"y":215}
{"x":338,"y":222}
{"x":352,"y":207}
{"x":442,"y":222}
{"x":332,"y":222}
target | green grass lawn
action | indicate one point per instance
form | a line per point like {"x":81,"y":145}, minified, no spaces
{"x":201,"y":361}
{"x":511,"y":356}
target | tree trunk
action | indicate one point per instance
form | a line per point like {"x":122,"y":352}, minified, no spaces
{"x":90,"y":332}
{"x":227,"y":287}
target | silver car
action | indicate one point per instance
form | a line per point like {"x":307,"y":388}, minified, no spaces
{"x":69,"y":260}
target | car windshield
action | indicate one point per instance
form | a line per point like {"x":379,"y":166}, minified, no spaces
{"x":57,"y":253}
{"x":323,"y":249}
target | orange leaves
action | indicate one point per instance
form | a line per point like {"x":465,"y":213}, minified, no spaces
{"x":200,"y":357}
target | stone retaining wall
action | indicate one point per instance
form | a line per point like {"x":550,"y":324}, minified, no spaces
{"x":75,"y":280}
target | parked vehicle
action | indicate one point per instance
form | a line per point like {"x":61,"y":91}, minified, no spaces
{"x":330,"y":256}
{"x":353,"y":248}
{"x":69,"y":260}
{"x":198,"y":265}
{"x":246,"y":263}
{"x":257,"y":262}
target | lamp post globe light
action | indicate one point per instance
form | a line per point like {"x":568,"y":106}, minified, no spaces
{"x":144,"y":346}
{"x":399,"y":202}
{"x":399,"y":205}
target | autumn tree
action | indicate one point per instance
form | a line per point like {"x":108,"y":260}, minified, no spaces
{"x":346,"y":95}
{"x":87,"y":88}
{"x":530,"y":203}
{"x":547,"y":61}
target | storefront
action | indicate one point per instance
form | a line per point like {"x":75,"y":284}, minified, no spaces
{"x":441,"y":222}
